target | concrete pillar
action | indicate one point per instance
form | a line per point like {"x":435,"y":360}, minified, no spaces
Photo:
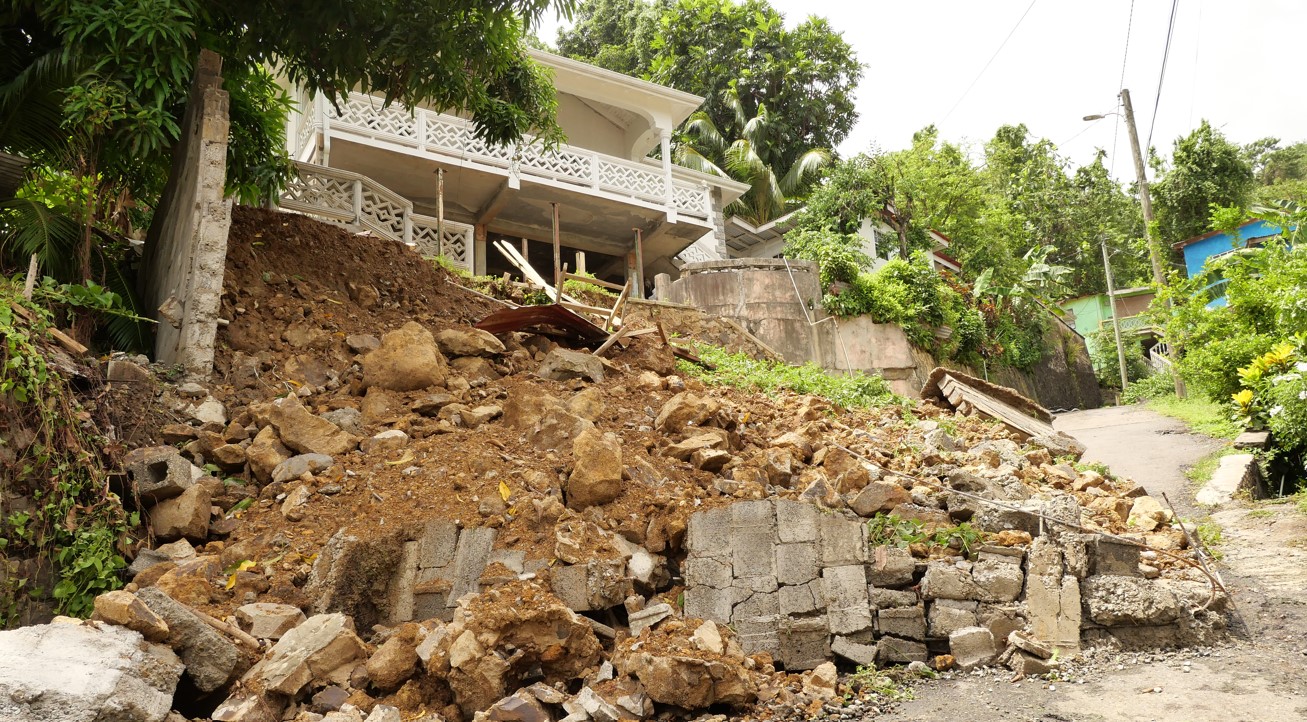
{"x":666,"y":149}
{"x":186,"y":247}
{"x":662,"y":287}
{"x":479,"y":249}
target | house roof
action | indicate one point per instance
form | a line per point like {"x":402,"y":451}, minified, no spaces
{"x":1212,"y":234}
{"x":666,"y":105}
{"x":742,"y":235}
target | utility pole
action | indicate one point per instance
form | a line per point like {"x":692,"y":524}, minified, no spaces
{"x":1142,"y":178}
{"x":1116,"y":326}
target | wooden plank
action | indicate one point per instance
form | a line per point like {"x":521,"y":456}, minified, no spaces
{"x":68,"y":342}
{"x":530,"y":273}
{"x":558,"y":259}
{"x":617,"y":308}
{"x":611,"y":340}
{"x":992,"y":407}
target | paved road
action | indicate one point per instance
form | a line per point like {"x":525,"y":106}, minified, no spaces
{"x":1261,"y":676}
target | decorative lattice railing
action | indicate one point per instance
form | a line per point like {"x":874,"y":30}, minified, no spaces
{"x":440,"y":134}
{"x":340,"y":196}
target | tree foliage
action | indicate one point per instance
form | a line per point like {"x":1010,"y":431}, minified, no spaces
{"x":1206,"y":169}
{"x":614,"y":34}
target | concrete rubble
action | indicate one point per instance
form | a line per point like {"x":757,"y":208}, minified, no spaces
{"x":438,"y":523}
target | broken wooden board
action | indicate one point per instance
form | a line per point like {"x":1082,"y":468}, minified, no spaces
{"x":971,"y":396}
{"x":533,"y":276}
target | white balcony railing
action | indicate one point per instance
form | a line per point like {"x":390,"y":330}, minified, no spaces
{"x":366,"y":117}
{"x":357,"y":201}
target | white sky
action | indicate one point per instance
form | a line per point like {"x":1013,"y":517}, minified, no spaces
{"x":1234,"y":63}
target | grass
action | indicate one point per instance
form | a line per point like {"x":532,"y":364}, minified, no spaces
{"x":1199,"y":414}
{"x":872,"y":680}
{"x":739,"y":370}
{"x":1201,"y":472}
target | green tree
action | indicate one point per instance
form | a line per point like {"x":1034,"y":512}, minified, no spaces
{"x":752,"y":152}
{"x":1206,"y":169}
{"x":614,"y":34}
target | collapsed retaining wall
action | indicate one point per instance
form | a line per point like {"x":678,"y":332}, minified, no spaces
{"x":779,"y":301}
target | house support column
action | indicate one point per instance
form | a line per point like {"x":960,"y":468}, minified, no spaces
{"x":666,"y":147}
{"x":479,"y":249}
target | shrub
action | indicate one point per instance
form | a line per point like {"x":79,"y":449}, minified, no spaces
{"x":1150,"y":387}
{"x":857,"y":390}
{"x":1107,"y":365}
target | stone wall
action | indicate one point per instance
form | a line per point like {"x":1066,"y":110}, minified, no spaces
{"x":186,"y":248}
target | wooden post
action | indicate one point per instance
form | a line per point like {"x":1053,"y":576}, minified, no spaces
{"x":524,"y":248}
{"x":558,"y":260}
{"x":30,"y":285}
{"x":478,"y":249}
{"x":580,"y":263}
{"x":639,"y":264}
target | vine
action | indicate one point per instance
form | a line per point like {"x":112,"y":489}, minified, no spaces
{"x":52,"y":455}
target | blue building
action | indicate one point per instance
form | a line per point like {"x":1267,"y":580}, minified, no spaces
{"x":1199,"y":249}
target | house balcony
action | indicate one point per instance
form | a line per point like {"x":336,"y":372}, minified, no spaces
{"x":507,"y":190}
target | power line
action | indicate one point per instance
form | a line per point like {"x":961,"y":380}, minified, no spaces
{"x":1166,"y":53}
{"x":990,"y":61}
{"x":1125,"y":56}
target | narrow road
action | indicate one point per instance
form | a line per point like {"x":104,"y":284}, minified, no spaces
{"x":1260,"y":674}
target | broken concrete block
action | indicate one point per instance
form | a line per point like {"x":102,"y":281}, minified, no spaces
{"x":861,"y":654}
{"x":1054,"y":606}
{"x":315,"y":650}
{"x":890,"y":567}
{"x":709,"y":603}
{"x":648,"y":617}
{"x":1111,"y":557}
{"x":949,"y":580}
{"x":843,"y":542}
{"x":845,"y":590}
{"x":905,"y":622}
{"x":708,"y":533}
{"x":999,"y":577}
{"x":972,"y":647}
{"x":707,"y":572}
{"x":796,"y":523}
{"x":268,"y":620}
{"x":947,"y":616}
{"x":892,"y":650}
{"x":1116,"y":600}
{"x":159,"y":473}
{"x":593,"y":585}
{"x":84,"y":673}
{"x":801,"y":599}
{"x":212,"y":660}
{"x":891,"y":598}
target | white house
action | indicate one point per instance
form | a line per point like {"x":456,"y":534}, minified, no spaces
{"x":376,"y":167}
{"x":879,"y":241}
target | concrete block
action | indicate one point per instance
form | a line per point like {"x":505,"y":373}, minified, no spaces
{"x":708,"y":572}
{"x":999,"y":577}
{"x":1045,"y":558}
{"x":890,"y":598}
{"x":649,"y":616}
{"x":847,"y":605}
{"x":892,"y":650}
{"x":759,"y":635}
{"x":1054,"y":608}
{"x":972,"y":647}
{"x":906,"y":622}
{"x":212,"y":660}
{"x":862,"y":654}
{"x":843,"y":541}
{"x":949,"y":580}
{"x":801,"y":599}
{"x":796,"y":563}
{"x":753,"y":514}
{"x":758,"y":604}
{"x":804,"y":643}
{"x":947,"y":616}
{"x":752,"y":552}
{"x":1110,"y":557}
{"x":1001,"y":620}
{"x":749,"y":585}
{"x":796,"y":522}
{"x":402,"y":584}
{"x":708,"y":603}
{"x":470,"y":558}
{"x":1115,"y":600}
{"x":159,"y":473}
{"x":890,"y":567}
{"x":708,"y":533}
{"x":438,"y":544}
{"x":594,"y":585}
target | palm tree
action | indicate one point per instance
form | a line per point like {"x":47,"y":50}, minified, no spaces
{"x":751,"y":157}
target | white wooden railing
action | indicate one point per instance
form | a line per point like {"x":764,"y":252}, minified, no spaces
{"x":366,"y":117}
{"x":1159,"y":357}
{"x":354,"y":200}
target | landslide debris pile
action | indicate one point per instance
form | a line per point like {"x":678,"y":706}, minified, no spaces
{"x":376,"y":511}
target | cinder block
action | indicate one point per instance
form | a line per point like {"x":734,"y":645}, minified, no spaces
{"x":863,"y":654}
{"x":906,"y":622}
{"x":999,"y":577}
{"x":708,"y":533}
{"x":971,"y":647}
{"x":470,"y":558}
{"x":948,"y":580}
{"x":892,"y":650}
{"x":804,"y":643}
{"x":843,"y":541}
{"x":749,"y":585}
{"x":753,"y":514}
{"x":161,"y":473}
{"x":707,"y":571}
{"x":759,"y":604}
{"x":751,"y":552}
{"x":709,"y":603}
{"x":947,"y":616}
{"x":401,"y":585}
{"x":799,"y":600}
{"x":891,"y":598}
{"x":847,"y":606}
{"x":1111,"y":557}
{"x":438,"y":544}
{"x":596,"y":584}
{"x":796,"y":563}
{"x":890,"y":567}
{"x":796,"y":522}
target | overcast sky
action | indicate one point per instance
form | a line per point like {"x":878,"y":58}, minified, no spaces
{"x":1234,"y":63}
